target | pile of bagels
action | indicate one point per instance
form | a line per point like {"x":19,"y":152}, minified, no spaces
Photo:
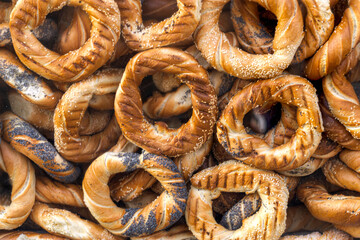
{"x":180,"y":119}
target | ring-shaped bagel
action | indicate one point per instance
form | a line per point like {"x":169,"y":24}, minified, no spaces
{"x":70,"y":111}
{"x":22,"y":177}
{"x":28,"y":141}
{"x":233,"y":176}
{"x":336,"y":209}
{"x":217,"y":50}
{"x":74,"y":65}
{"x":178,"y":27}
{"x":158,"y":215}
{"x":158,"y":138}
{"x":286,"y":89}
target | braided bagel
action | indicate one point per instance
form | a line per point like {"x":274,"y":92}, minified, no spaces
{"x":267,"y":223}
{"x":172,"y":30}
{"x":158,"y":215}
{"x":69,"y":114}
{"x":339,"y":174}
{"x":344,"y":38}
{"x":66,"y":224}
{"x":336,"y":209}
{"x":28,"y":141}
{"x":216,"y":48}
{"x":287,"y":89}
{"x":22,"y":178}
{"x":30,"y":86}
{"x":48,"y":191}
{"x":74,"y":65}
{"x":158,"y":138}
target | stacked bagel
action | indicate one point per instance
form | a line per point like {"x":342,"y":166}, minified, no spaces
{"x":179,"y":119}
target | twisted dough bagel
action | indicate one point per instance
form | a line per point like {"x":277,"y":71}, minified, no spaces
{"x":287,"y":89}
{"x":158,"y":215}
{"x":178,"y":27}
{"x":343,"y":39}
{"x":28,"y":141}
{"x":158,"y":138}
{"x":70,"y":112}
{"x":22,"y":176}
{"x":254,"y":37}
{"x":336,"y":209}
{"x":217,"y":50}
{"x":233,"y":176}
{"x":74,"y":65}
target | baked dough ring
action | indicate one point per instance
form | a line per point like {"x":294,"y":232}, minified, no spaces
{"x":49,"y":191}
{"x":74,"y":65}
{"x":343,"y":39}
{"x":286,"y":89}
{"x":253,"y":36}
{"x":66,"y":224}
{"x":158,"y":138}
{"x":32,"y":87}
{"x":158,"y":215}
{"x":336,"y":209}
{"x":28,"y":141}
{"x":178,"y":27}
{"x":70,"y":111}
{"x":233,"y":176}
{"x":22,"y":177}
{"x":218,"y":51}
{"x":337,"y":173}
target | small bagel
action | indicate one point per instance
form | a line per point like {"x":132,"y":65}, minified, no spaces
{"x":172,"y":30}
{"x":158,"y":138}
{"x":217,"y":50}
{"x":158,"y":215}
{"x":286,"y":89}
{"x":70,"y":112}
{"x":233,"y":176}
{"x":28,"y":141}
{"x":22,"y":177}
{"x":75,"y":65}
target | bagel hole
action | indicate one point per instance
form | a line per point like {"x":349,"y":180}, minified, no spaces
{"x":74,"y":29}
{"x":156,"y":11}
{"x":356,"y":86}
{"x":5,"y":189}
{"x":338,"y":10}
{"x":225,"y":22}
{"x":268,"y":20}
{"x":259,"y":121}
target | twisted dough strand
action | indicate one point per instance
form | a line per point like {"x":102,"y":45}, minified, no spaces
{"x":22,"y":177}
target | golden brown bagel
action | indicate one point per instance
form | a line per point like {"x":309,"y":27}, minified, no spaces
{"x":267,"y":223}
{"x":344,"y":38}
{"x":69,"y":114}
{"x":336,"y":209}
{"x":217,"y":50}
{"x":49,"y":191}
{"x":28,"y":141}
{"x":172,"y":30}
{"x":158,"y":138}
{"x":332,"y":234}
{"x":286,"y":89}
{"x":158,"y":215}
{"x":22,"y":177}
{"x":74,"y":65}
{"x":66,"y":224}
{"x":32,"y":87}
